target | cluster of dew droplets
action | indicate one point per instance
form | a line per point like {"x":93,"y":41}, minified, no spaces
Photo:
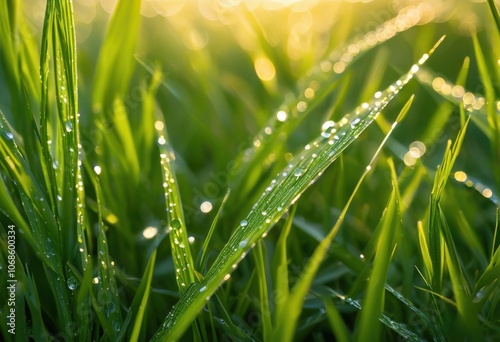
{"x":455,"y":93}
{"x":331,"y":68}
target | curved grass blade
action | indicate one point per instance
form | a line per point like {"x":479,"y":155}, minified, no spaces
{"x":282,"y":192}
{"x":177,"y":231}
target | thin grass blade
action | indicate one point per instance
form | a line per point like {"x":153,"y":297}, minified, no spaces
{"x":177,"y":230}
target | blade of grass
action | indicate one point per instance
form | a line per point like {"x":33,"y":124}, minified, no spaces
{"x":177,"y":230}
{"x":434,"y":227}
{"x":337,"y":324}
{"x":321,"y":80}
{"x":280,"y":265}
{"x":292,"y":182}
{"x":108,"y":300}
{"x":491,"y":111}
{"x":208,"y":238}
{"x":494,"y":13}
{"x":399,"y":328}
{"x":138,"y":307}
{"x":260,"y":267}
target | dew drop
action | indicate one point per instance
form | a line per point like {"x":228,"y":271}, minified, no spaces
{"x":176,"y":223}
{"x":203,"y":288}
{"x":72,"y":283}
{"x":244,"y":223}
{"x":299,"y":172}
{"x":69,"y":126}
{"x":243,"y":243}
{"x":264,"y":213}
{"x":9,"y":135}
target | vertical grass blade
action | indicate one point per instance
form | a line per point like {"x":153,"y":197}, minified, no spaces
{"x":177,"y":230}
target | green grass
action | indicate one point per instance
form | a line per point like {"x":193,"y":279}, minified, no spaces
{"x":223,"y":172}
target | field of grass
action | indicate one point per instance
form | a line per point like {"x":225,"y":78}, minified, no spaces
{"x":249,"y":170}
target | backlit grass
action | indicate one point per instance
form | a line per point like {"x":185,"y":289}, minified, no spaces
{"x":204,"y":170}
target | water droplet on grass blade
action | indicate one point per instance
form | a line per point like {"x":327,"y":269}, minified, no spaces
{"x":244,"y":223}
{"x":69,"y":126}
{"x":243,"y":243}
{"x":116,"y":326}
{"x":9,"y":135}
{"x":72,"y":283}
{"x":176,"y":223}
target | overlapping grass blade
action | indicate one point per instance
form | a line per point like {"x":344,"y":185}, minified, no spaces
{"x":302,"y":171}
